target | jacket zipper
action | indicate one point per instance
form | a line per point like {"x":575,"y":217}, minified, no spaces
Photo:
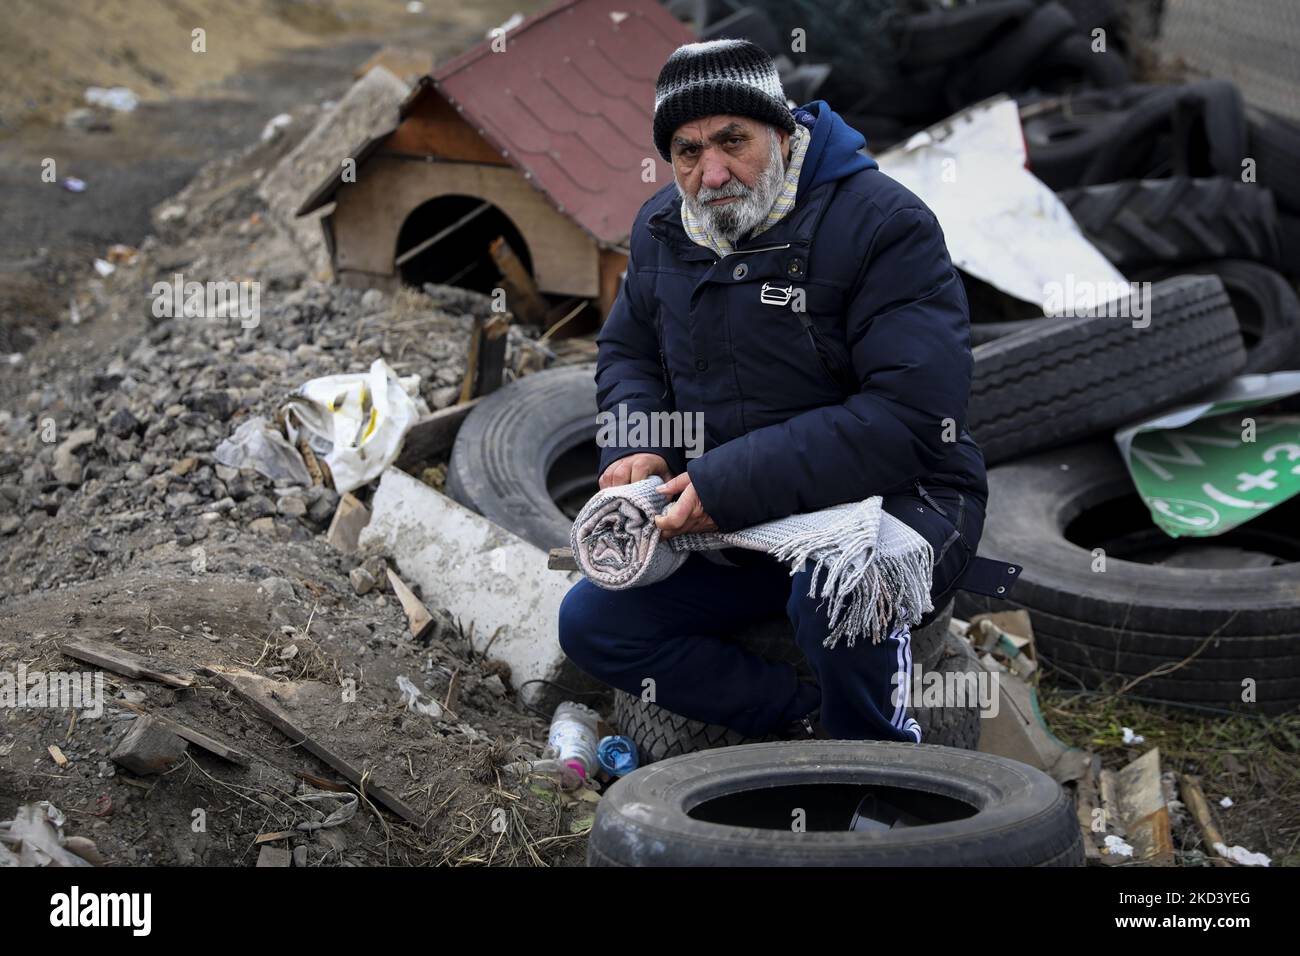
{"x":741,"y":252}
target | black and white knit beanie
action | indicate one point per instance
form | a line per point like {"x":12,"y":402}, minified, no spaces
{"x":717,"y":77}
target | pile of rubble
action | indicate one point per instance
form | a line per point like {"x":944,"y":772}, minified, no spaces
{"x":120,"y":532}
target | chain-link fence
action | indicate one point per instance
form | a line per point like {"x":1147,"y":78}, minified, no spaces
{"x":1254,"y":43}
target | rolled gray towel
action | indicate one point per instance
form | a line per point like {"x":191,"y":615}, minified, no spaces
{"x":870,"y":564}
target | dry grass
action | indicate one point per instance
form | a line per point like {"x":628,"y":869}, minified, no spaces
{"x":1252,"y":760}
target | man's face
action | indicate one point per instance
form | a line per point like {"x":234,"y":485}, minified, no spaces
{"x":728,"y":170}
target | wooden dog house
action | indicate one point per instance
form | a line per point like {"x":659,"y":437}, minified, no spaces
{"x":541,"y":135}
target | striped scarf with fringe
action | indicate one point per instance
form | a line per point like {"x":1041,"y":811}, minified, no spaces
{"x":872,"y":566}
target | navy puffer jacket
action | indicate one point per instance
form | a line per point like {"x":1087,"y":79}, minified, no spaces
{"x":860,"y":394}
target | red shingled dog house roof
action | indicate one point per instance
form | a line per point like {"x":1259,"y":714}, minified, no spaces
{"x":554,"y":131}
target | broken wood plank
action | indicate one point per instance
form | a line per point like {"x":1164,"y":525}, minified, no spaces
{"x":58,"y":756}
{"x":561,"y":559}
{"x":432,"y":435}
{"x":255,"y":691}
{"x":272,"y":837}
{"x":492,"y":355}
{"x":349,"y":518}
{"x":418,"y":617}
{"x":1199,"y":808}
{"x":121,"y":661}
{"x":525,"y":301}
{"x":1142,"y":808}
{"x":486,"y":356}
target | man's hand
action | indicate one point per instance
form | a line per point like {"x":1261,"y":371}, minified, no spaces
{"x":633,"y":468}
{"x":686,"y":515}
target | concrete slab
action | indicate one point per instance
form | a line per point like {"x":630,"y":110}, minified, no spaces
{"x":479,"y":572}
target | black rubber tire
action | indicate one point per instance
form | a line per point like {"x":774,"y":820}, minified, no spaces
{"x":1193,"y":130}
{"x":1064,"y":134}
{"x":506,"y":446}
{"x":1071,"y":63}
{"x":1091,"y":14}
{"x":1023,"y":817}
{"x":1152,"y":221}
{"x":1275,"y":147}
{"x":1105,"y":629}
{"x":748,"y":23}
{"x":1002,"y":66}
{"x":1288,"y":238}
{"x":981,"y":333}
{"x":1266,"y":306}
{"x":1065,"y":379}
{"x":957,"y":727}
{"x":938,"y":37}
{"x":660,"y":734}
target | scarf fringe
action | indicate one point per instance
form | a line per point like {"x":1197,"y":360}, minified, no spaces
{"x":867,"y":590}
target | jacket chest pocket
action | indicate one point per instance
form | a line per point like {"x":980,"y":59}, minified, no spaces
{"x":822,"y":326}
{"x":788,"y":341}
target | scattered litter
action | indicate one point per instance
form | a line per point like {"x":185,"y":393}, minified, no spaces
{"x":58,"y":756}
{"x":1115,"y":846}
{"x":257,"y":445}
{"x":356,"y":421}
{"x":415,"y":6}
{"x":73,"y":185}
{"x":617,"y":755}
{"x":1132,"y":738}
{"x":1008,"y":636}
{"x":118,"y":98}
{"x":122,"y":254}
{"x":1225,"y":802}
{"x":411,"y":699}
{"x":273,"y":126}
{"x":1239,"y":854}
{"x":14,"y":358}
{"x":349,"y":802}
{"x":104,"y":267}
{"x":34,"y":837}
{"x":573,"y":739}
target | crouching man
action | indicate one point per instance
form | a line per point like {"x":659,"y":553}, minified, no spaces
{"x":804,"y":305}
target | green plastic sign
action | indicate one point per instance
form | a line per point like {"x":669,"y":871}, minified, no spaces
{"x":1204,"y":469}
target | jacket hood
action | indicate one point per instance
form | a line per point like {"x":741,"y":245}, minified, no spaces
{"x":833,"y":152}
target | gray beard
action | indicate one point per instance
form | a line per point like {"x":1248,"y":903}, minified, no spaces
{"x":736,"y":219}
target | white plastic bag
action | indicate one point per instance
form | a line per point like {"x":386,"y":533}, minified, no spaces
{"x":257,"y":445}
{"x":356,"y":422}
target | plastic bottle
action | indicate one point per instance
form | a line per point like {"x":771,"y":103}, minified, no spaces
{"x":573,"y":738}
